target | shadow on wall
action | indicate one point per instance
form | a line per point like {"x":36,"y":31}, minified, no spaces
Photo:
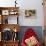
{"x":37,"y":29}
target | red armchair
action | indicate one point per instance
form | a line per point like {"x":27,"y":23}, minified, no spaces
{"x":29,"y":36}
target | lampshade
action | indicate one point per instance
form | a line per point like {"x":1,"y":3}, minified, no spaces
{"x":15,"y":30}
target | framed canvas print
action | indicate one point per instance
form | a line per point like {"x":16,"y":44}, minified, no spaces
{"x":5,"y":12}
{"x":30,"y":13}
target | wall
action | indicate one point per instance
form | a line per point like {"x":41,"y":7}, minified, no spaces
{"x":32,"y":4}
{"x":27,"y":4}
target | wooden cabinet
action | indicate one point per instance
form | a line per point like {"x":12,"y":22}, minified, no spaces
{"x":8,"y":27}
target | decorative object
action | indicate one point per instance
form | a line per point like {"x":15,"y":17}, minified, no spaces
{"x":5,"y":12}
{"x":6,"y":21}
{"x":7,"y":34}
{"x":15,"y":34}
{"x":15,"y":3}
{"x":15,"y":30}
{"x":30,"y":13}
{"x":13,"y":12}
{"x":30,"y":38}
{"x":31,"y":41}
{"x":15,"y":37}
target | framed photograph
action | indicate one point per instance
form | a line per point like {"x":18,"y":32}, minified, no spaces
{"x":30,"y":13}
{"x":5,"y":12}
{"x":12,"y":12}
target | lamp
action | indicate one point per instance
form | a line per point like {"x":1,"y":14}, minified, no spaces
{"x":15,"y":30}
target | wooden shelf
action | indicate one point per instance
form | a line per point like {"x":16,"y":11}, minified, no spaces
{"x":11,"y":26}
{"x":10,"y":43}
{"x":5,"y":12}
{"x":5,"y":8}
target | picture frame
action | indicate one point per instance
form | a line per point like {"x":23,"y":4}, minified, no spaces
{"x":5,"y":12}
{"x":13,"y":12}
{"x":30,"y":13}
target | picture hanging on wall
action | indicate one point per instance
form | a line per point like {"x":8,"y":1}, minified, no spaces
{"x":30,"y":13}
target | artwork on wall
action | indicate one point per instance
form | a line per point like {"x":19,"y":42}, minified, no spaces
{"x":30,"y":13}
{"x":5,"y":12}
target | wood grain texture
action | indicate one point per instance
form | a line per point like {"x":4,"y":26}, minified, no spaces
{"x":44,"y":6}
{"x":11,"y":26}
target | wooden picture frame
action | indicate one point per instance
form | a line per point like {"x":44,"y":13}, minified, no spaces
{"x":5,"y":12}
{"x":30,"y":13}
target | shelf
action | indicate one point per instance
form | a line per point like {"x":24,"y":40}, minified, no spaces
{"x":9,"y":8}
{"x":11,"y":26}
{"x":7,"y":23}
{"x":7,"y":12}
{"x":11,"y":41}
{"x":10,"y":19}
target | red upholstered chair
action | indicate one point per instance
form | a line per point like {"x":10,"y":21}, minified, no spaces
{"x":28,"y":34}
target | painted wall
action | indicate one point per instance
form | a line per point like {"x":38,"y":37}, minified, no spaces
{"x":23,"y":5}
{"x":27,"y":4}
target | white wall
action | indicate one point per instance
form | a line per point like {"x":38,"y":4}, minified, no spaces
{"x":32,"y":4}
{"x":27,"y":4}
